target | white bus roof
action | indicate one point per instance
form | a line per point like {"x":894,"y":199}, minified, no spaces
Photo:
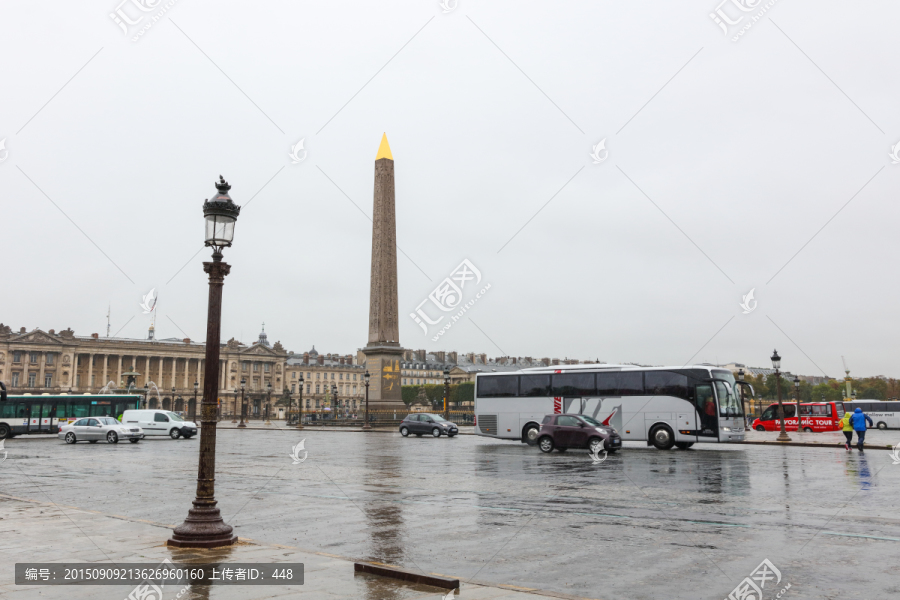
{"x":597,"y":367}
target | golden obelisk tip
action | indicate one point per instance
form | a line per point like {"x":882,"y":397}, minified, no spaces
{"x":384,"y":150}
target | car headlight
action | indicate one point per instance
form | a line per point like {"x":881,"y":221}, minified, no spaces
{"x":123,"y":430}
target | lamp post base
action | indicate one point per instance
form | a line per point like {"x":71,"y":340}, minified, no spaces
{"x":203,"y":528}
{"x":367,"y":427}
{"x":783,"y":437}
{"x":241,"y":425}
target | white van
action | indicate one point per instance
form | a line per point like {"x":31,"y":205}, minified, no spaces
{"x":160,"y":422}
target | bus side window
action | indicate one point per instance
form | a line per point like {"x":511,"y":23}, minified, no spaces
{"x":7,"y":410}
{"x":790,"y":410}
{"x":78,"y":410}
{"x":21,"y":410}
{"x":769,"y":414}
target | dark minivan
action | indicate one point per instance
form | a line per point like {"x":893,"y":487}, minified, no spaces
{"x":419,"y":423}
{"x":562,"y":432}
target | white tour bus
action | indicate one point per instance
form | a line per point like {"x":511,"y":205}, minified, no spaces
{"x":666,"y":406}
{"x":885,"y":415}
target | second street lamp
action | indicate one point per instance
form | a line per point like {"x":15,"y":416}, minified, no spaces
{"x":194,"y":410}
{"x":366,"y":426}
{"x":776,"y":362}
{"x":204,"y":527}
{"x":797,"y":394}
{"x":268,"y":401}
{"x":447,"y":393}
{"x":300,"y":405}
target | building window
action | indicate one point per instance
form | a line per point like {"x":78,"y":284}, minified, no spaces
{"x":243,"y":366}
{"x":354,"y":390}
{"x":48,"y":380}
{"x":15,"y":380}
{"x":307,"y":389}
{"x":31,"y":378}
{"x":293,"y":386}
{"x":267,"y":365}
{"x":332,"y":376}
{"x":354,"y":377}
{"x":317,"y":375}
{"x":49,"y":358}
{"x":317,"y":403}
{"x":17,"y":357}
{"x":294,"y":375}
{"x":256,"y":366}
{"x":317,"y":391}
{"x":34,"y":358}
{"x":307,"y":403}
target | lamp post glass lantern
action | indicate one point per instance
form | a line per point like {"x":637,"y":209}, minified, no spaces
{"x":776,"y":363}
{"x":204,"y":527}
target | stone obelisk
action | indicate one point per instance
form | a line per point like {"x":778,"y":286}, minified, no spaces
{"x":383,"y":351}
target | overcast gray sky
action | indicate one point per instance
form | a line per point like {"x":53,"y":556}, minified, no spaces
{"x":757,"y":164}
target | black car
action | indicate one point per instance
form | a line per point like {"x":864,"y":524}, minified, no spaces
{"x":561,"y":432}
{"x":420,"y":423}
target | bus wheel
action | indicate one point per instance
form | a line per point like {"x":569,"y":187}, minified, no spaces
{"x":530,"y":435}
{"x":683,"y":445}
{"x":881,"y":425}
{"x":546,"y":444}
{"x":760,"y":428}
{"x":70,"y":438}
{"x":112,"y":438}
{"x":662,"y":437}
{"x":807,"y":429}
{"x":4,"y":431}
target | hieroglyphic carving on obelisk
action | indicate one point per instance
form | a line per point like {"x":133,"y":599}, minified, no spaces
{"x":383,"y":350}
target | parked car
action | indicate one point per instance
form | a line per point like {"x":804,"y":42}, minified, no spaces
{"x":160,"y":422}
{"x":94,"y":429}
{"x":561,"y":432}
{"x":421,"y":423}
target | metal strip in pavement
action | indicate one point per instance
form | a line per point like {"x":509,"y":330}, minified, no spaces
{"x":868,"y":537}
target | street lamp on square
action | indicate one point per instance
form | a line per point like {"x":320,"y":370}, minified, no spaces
{"x":204,"y":527}
{"x":300,"y":405}
{"x":447,"y":393}
{"x":243,"y":408}
{"x":366,"y":426}
{"x":776,"y":363}
{"x":797,"y":396}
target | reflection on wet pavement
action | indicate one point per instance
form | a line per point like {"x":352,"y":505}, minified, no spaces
{"x":642,"y":524}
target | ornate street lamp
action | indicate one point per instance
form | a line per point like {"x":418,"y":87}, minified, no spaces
{"x":797,"y":394}
{"x":740,"y":378}
{"x":194,"y":410}
{"x":243,"y":408}
{"x":447,"y":393}
{"x":146,"y":392}
{"x":172,"y":408}
{"x":334,"y":402}
{"x":366,"y":426}
{"x":204,"y":527}
{"x":300,"y":405}
{"x":268,"y":401}
{"x":776,"y":362}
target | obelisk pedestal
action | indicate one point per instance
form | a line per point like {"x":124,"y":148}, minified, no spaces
{"x":383,"y":352}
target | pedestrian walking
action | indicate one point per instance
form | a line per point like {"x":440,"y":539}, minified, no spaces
{"x":859,"y":420}
{"x":847,"y":428}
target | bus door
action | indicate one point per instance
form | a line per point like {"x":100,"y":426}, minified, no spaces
{"x":707,"y":412}
{"x":45,"y":417}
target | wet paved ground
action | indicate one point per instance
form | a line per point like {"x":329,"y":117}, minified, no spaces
{"x":642,"y":524}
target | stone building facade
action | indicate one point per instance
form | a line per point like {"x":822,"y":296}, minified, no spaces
{"x":322,"y":373}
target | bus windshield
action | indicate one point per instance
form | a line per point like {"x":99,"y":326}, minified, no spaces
{"x":729,"y":404}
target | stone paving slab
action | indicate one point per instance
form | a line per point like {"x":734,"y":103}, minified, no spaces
{"x":31,"y":530}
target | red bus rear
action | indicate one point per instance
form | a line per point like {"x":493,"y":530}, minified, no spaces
{"x":815,"y":417}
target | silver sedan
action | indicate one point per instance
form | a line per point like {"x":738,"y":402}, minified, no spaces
{"x":94,"y":429}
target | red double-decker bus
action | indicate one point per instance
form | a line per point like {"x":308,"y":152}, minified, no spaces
{"x":814,"y":416}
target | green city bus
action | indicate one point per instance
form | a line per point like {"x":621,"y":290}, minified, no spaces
{"x":44,"y":414}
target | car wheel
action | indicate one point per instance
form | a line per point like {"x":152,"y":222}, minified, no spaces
{"x":807,"y":429}
{"x":4,"y":431}
{"x":404,"y":431}
{"x":134,"y":440}
{"x":881,"y":425}
{"x":92,"y":441}
{"x":760,"y":428}
{"x":112,"y":438}
{"x":595,"y":445}
{"x":683,"y":445}
{"x":530,"y":435}
{"x":436,"y":432}
{"x":546,"y":444}
{"x":174,"y":434}
{"x":662,"y":438}
{"x":70,"y":438}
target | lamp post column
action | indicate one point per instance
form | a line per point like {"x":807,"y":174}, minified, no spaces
{"x":776,"y":362}
{"x":300,"y":405}
{"x":366,"y":426}
{"x":797,"y":394}
{"x":243,"y":407}
{"x":204,"y":527}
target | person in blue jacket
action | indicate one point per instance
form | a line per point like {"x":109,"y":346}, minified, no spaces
{"x":859,"y":419}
